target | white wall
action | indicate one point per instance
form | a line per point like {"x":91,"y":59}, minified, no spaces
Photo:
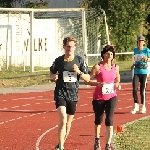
{"x":15,"y":40}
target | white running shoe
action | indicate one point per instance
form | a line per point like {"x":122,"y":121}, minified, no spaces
{"x":135,"y":109}
{"x":143,"y":109}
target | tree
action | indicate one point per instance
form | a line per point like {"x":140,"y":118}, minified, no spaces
{"x":6,"y":4}
{"x":28,"y":4}
{"x":125,"y":19}
{"x":31,"y":4}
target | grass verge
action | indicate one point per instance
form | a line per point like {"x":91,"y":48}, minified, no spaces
{"x":23,"y":79}
{"x":135,"y":136}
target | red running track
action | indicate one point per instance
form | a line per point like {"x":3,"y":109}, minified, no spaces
{"x":28,"y":121}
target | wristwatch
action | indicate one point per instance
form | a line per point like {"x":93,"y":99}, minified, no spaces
{"x":80,"y":73}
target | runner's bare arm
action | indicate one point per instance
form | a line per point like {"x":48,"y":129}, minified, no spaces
{"x":132,"y":67}
{"x":117,"y":80}
{"x":95,"y":70}
{"x":53,"y":76}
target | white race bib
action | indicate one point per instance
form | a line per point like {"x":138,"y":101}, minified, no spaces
{"x":138,"y":57}
{"x":69,"y":76}
{"x":108,"y":88}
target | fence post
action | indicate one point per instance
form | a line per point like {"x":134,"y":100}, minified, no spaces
{"x":84,"y":35}
{"x":31,"y":41}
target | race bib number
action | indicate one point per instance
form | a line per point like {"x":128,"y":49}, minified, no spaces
{"x":69,"y":76}
{"x":108,"y":88}
{"x":138,"y":57}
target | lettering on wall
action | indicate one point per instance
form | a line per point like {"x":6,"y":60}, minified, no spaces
{"x":40,"y":44}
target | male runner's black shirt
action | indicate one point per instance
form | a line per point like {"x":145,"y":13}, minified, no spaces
{"x":67,"y":90}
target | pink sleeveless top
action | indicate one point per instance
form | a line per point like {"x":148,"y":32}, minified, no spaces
{"x":108,"y":77}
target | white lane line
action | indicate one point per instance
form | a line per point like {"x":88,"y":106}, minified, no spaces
{"x":125,"y":94}
{"x":90,"y":97}
{"x":42,"y":99}
{"x":15,"y":107}
{"x":32,"y":115}
{"x":40,"y":138}
{"x":15,"y":99}
{"x":19,"y":118}
{"x":129,"y":107}
{"x":3,"y":109}
{"x":26,"y":105}
{"x":84,"y":105}
{"x":14,"y":119}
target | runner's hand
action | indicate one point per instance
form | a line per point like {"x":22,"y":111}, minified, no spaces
{"x":118,"y":86}
{"x":76,"y":68}
{"x":132,"y":67}
{"x":54,"y":77}
{"x":144,"y":58}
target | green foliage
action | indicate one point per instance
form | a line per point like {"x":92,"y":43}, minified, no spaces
{"x":28,"y":4}
{"x":6,"y":4}
{"x":31,"y":4}
{"x":126,"y":20}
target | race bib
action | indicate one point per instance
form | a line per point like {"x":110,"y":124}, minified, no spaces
{"x":108,"y":88}
{"x":69,"y":76}
{"x":138,"y":57}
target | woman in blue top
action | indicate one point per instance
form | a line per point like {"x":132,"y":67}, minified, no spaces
{"x":141,"y":57}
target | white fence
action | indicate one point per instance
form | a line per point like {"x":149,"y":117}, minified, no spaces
{"x":33,"y":37}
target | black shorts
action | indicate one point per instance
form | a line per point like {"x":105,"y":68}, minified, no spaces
{"x":70,"y":105}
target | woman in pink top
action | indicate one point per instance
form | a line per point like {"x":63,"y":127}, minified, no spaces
{"x":104,"y":96}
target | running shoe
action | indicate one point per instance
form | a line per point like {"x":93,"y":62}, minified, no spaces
{"x":97,"y":145}
{"x":143,"y":109}
{"x":135,"y":109}
{"x":57,"y":147}
{"x":107,"y":147}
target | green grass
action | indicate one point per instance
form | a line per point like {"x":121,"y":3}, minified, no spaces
{"x":23,"y":79}
{"x":135,"y":136}
{"x":123,"y":65}
{"x":16,"y":77}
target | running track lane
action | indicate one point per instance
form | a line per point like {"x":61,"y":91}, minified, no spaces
{"x":28,"y":121}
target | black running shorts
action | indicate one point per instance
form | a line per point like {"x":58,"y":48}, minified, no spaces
{"x":70,"y":105}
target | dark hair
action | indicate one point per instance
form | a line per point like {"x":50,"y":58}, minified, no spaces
{"x":106,"y":49}
{"x":68,"y":39}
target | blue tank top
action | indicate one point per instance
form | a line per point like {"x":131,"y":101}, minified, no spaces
{"x":138,"y":60}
